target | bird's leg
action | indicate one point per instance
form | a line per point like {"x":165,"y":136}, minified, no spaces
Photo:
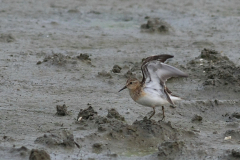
{"x":163,"y":118}
{"x":152,"y":113}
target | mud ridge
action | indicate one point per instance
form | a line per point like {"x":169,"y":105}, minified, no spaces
{"x":156,"y":25}
{"x":59,"y":59}
{"x":141,"y":135}
{"x":215,"y":70}
{"x":39,"y":155}
{"x":64,"y":139}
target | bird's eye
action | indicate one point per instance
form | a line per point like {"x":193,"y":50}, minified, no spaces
{"x":130,"y":83}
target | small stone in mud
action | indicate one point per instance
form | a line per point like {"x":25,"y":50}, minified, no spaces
{"x":170,"y":148}
{"x":236,"y":115}
{"x":235,"y":134}
{"x":196,"y":118}
{"x":86,"y":113}
{"x":112,"y":113}
{"x":104,"y":74}
{"x":39,"y":62}
{"x":116,"y":69}
{"x":62,"y":110}
{"x":84,"y":56}
{"x":39,"y":155}
{"x":236,"y":153}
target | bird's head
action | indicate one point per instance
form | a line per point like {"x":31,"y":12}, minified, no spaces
{"x":131,"y":84}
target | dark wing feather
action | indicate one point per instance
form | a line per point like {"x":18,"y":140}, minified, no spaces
{"x":162,"y":58}
{"x":156,"y":73}
{"x":168,"y":98}
{"x":168,"y":91}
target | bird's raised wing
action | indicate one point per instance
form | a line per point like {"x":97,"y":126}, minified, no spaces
{"x":156,"y":73}
{"x":154,"y":69}
{"x":163,"y":71}
{"x":161,"y":58}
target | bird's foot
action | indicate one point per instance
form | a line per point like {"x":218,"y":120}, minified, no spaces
{"x":163,"y":118}
{"x":152,"y":113}
{"x":150,"y":117}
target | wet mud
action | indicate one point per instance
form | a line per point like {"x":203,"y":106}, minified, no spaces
{"x":116,"y":69}
{"x":59,"y":59}
{"x":39,"y":155}
{"x":81,"y":53}
{"x":170,"y":149}
{"x":156,"y":25}
{"x":22,"y":152}
{"x":7,"y":38}
{"x":217,"y":70}
{"x":62,"y":138}
{"x":62,"y":110}
{"x":141,"y":138}
{"x":236,"y":153}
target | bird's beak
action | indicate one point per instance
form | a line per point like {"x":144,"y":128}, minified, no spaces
{"x":122,"y":88}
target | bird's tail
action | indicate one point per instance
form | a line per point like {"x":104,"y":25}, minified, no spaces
{"x":175,"y":98}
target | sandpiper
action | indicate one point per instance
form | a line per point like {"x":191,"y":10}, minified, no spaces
{"x":152,"y":91}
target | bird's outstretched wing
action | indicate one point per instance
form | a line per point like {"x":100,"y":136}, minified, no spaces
{"x":162,"y":58}
{"x":156,"y":73}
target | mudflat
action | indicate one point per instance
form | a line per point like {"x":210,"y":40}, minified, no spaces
{"x":63,"y":62}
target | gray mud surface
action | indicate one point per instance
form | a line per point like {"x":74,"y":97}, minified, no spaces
{"x":63,"y":62}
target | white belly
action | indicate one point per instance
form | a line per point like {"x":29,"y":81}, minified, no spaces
{"x":152,"y":100}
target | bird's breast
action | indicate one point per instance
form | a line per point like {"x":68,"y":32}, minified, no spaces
{"x":147,"y":99}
